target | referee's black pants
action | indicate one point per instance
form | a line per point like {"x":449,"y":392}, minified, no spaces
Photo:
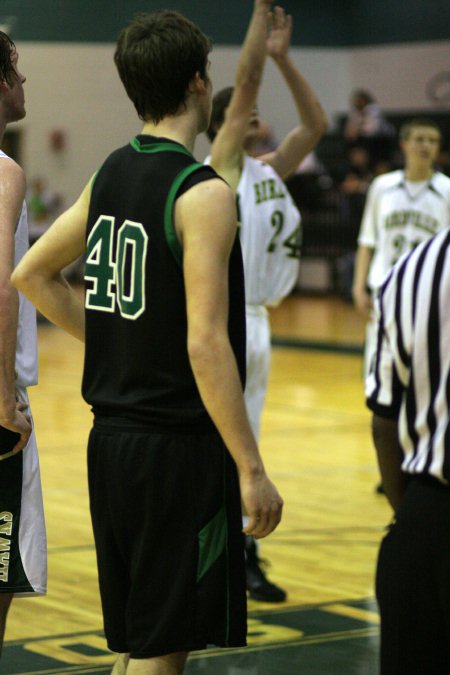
{"x":413,"y":583}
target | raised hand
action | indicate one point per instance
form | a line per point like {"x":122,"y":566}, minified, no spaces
{"x":280,"y":31}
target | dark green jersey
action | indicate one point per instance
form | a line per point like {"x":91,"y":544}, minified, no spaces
{"x":136,"y":362}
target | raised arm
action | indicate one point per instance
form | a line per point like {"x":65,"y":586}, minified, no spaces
{"x":313,"y":122}
{"x":206,"y":221}
{"x":39,"y":274}
{"x":227,"y":148}
{"x":12,"y":192}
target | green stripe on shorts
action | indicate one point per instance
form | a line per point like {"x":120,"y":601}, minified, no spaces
{"x":212,"y":542}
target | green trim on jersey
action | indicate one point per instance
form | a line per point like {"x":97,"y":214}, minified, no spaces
{"x":93,"y":179}
{"x":169,"y":227}
{"x":212,"y":540}
{"x":152,"y":148}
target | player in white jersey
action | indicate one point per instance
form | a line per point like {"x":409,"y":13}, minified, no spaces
{"x":23,"y":562}
{"x":270,"y":221}
{"x":270,"y":251}
{"x":403,"y":208}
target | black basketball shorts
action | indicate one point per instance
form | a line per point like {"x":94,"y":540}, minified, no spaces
{"x":168,"y":531}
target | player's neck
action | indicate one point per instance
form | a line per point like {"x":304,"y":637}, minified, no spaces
{"x":417,"y":173}
{"x":175,"y":128}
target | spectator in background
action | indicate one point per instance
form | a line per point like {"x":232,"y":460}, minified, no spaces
{"x":365,"y":119}
{"x":352,"y":196}
{"x":352,"y":183}
{"x":43,"y":206}
{"x":367,"y":125}
{"x":358,"y":172}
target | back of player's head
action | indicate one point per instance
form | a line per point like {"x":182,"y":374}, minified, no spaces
{"x":220,"y":103}
{"x":7,"y":47}
{"x":157,"y":56}
{"x":415,"y":123}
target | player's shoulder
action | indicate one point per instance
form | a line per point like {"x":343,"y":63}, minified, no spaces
{"x":386,"y":182}
{"x":255,"y":167}
{"x":11,"y":172}
{"x":9,"y":164}
{"x":204,"y":207}
{"x":255,"y":162}
{"x":212,"y":187}
{"x":441,"y":183}
{"x":390,"y":179}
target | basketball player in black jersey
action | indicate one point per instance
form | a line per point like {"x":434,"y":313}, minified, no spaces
{"x":171,"y":449}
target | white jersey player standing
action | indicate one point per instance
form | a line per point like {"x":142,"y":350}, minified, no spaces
{"x":270,"y":240}
{"x":23,"y":563}
{"x":269,"y":219}
{"x":403,"y":208}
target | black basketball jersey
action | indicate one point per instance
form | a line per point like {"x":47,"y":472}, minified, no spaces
{"x":136,"y":359}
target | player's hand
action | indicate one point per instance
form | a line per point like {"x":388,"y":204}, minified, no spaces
{"x":20,"y":424}
{"x":363,"y":302}
{"x":262,"y":504}
{"x":280,"y":31}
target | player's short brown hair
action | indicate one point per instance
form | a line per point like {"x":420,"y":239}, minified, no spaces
{"x":157,"y":56}
{"x":407,"y":127}
{"x":7,"y":47}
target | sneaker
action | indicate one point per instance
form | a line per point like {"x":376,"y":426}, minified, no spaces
{"x":258,"y":586}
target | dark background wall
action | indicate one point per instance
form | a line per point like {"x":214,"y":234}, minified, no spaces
{"x":327,"y":23}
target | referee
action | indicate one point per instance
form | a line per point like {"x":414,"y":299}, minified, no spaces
{"x":408,"y":391}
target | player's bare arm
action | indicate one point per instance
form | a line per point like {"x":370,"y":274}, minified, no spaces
{"x":389,"y":453}
{"x":361,"y":296}
{"x":313,"y":122}
{"x":12,"y":192}
{"x":227,"y":148}
{"x":39,"y":275}
{"x":205,"y":219}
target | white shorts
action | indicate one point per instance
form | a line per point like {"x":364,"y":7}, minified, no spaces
{"x":23,"y":545}
{"x":258,"y":363}
{"x":370,"y":345}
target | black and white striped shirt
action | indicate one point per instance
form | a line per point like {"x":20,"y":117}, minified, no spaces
{"x":409,"y":379}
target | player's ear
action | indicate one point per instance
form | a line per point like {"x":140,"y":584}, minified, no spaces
{"x":198,"y":84}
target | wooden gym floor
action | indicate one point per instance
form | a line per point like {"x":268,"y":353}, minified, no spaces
{"x":316,"y":444}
